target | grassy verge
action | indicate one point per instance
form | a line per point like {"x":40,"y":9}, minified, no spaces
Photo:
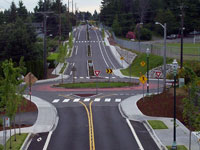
{"x":52,"y":56}
{"x":63,"y":68}
{"x":179,"y":147}
{"x":137,"y":70}
{"x":157,"y":124}
{"x":93,"y":85}
{"x":16,"y":145}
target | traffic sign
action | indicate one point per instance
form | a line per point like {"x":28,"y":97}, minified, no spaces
{"x":143,"y":63}
{"x":97,"y":72}
{"x":122,"y":58}
{"x":109,"y":71}
{"x":30,"y":79}
{"x":158,"y":74}
{"x":143,"y":79}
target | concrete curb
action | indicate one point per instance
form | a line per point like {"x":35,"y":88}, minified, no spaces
{"x":26,"y":142}
{"x":154,"y":136}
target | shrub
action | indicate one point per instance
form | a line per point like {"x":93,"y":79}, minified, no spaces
{"x":130,"y":35}
{"x":145,"y":34}
{"x":188,"y":74}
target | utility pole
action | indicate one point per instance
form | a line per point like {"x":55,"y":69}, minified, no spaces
{"x":182,"y":24}
{"x":45,"y":15}
{"x":59,"y":21}
{"x":72,"y":6}
{"x":68,"y":6}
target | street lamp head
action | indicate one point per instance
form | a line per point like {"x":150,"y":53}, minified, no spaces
{"x":175,"y":66}
{"x":156,"y":22}
{"x":148,"y":51}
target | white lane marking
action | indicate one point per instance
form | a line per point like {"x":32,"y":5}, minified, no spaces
{"x":76,"y":50}
{"x":70,"y":73}
{"x":135,"y":135}
{"x":101,"y":51}
{"x":107,"y":99}
{"x":113,"y":77}
{"x":81,"y":77}
{"x":86,"y":100}
{"x":87,"y":77}
{"x":75,"y":77}
{"x":107,"y":77}
{"x":79,"y":34}
{"x":66,"y":100}
{"x":56,"y":100}
{"x":76,"y":100}
{"x":118,"y":100}
{"x":97,"y":100}
{"x":73,"y":64}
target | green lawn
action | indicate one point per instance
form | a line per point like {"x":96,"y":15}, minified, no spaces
{"x":93,"y":85}
{"x":63,"y":68}
{"x":157,"y":124}
{"x":188,"y":48}
{"x":137,"y":70}
{"x":16,"y":145}
{"x":179,"y":147}
{"x":52,"y":56}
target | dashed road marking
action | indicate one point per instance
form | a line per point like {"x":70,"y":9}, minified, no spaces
{"x":76,"y":100}
{"x":97,"y":100}
{"x":86,"y":100}
{"x":56,"y":100}
{"x":118,"y":100}
{"x":66,"y":100}
{"x":107,"y":99}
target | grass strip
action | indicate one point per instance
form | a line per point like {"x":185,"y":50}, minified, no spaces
{"x":137,"y":70}
{"x":157,"y":124}
{"x":179,"y":147}
{"x":63,"y":68}
{"x":16,"y":145}
{"x":93,"y":85}
{"x":52,"y":56}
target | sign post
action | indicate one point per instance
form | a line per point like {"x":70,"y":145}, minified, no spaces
{"x":109,"y":71}
{"x":97,"y":73}
{"x":158,"y":74}
{"x":73,"y":71}
{"x":143,"y":80}
{"x":30,"y":79}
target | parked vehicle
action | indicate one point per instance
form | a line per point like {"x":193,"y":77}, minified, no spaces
{"x":172,"y":36}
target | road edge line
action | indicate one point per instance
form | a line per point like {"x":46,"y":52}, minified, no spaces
{"x":50,"y":134}
{"x":134,"y":134}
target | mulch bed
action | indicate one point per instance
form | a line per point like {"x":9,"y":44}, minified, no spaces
{"x":26,"y":107}
{"x":162,"y":106}
{"x":49,"y":75}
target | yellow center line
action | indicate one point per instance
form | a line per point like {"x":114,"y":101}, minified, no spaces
{"x":92,"y":125}
{"x":89,"y":123}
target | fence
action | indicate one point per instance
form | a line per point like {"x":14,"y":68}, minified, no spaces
{"x":189,"y":53}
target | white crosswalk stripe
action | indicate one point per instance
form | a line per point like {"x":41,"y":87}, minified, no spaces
{"x":66,"y":100}
{"x":107,"y":99}
{"x":97,"y":100}
{"x":76,"y":100}
{"x":86,"y":100}
{"x":56,"y":100}
{"x":118,"y":100}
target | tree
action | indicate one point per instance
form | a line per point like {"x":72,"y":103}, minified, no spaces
{"x":12,"y":13}
{"x":116,"y":27}
{"x":22,"y":11}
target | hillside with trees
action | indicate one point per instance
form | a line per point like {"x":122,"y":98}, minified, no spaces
{"x":125,"y":15}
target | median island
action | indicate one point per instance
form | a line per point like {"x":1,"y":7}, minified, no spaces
{"x":99,"y":85}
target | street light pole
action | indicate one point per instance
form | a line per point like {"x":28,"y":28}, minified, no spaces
{"x":148,"y":52}
{"x":175,"y":66}
{"x":164,"y":53}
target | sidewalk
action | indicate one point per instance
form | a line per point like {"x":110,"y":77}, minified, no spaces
{"x":130,"y":110}
{"x":46,"y":121}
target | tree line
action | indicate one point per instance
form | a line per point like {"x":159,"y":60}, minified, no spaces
{"x":126,"y":15}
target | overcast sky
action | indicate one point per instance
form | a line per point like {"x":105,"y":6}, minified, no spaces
{"x":83,"y":5}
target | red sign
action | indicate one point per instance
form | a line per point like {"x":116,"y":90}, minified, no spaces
{"x":97,"y":72}
{"x":158,"y":73}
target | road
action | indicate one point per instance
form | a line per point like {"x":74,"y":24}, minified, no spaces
{"x":88,"y":121}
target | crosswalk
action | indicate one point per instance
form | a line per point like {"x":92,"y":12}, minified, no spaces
{"x":76,"y":100}
{"x":89,"y":41}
